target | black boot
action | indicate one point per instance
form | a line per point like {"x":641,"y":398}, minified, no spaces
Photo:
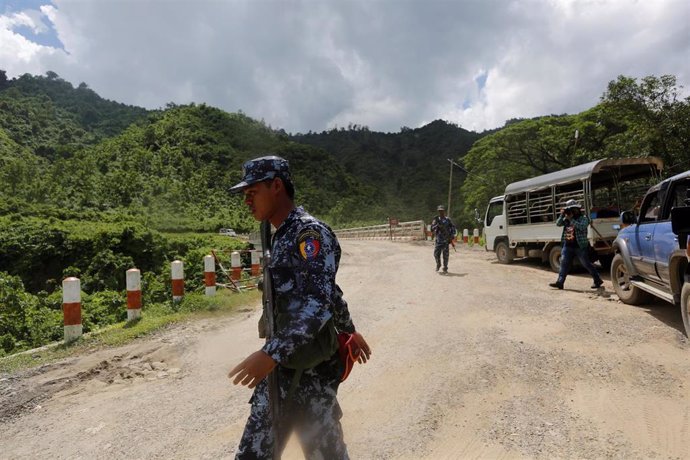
{"x":556,"y":285}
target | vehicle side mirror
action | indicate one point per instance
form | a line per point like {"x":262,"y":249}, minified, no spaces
{"x":628,"y":218}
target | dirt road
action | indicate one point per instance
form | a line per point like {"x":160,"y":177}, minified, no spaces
{"x":486,"y":362}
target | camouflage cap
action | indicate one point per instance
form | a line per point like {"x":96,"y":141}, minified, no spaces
{"x":440,"y":208}
{"x":261,"y":169}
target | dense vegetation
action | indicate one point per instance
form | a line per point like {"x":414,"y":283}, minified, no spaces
{"x":90,"y":187}
{"x":409,"y":169}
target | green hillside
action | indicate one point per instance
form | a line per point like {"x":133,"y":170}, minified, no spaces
{"x":408,"y":169}
{"x":170,"y":168}
{"x":48,"y":115}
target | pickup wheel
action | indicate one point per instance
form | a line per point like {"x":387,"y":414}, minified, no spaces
{"x":504,"y":253}
{"x":685,"y":307}
{"x":555,"y":259}
{"x":620,"y":278}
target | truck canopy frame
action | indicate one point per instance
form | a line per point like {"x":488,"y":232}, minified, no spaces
{"x":586,"y":171}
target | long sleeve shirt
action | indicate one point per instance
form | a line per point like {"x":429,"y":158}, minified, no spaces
{"x":304,"y":262}
{"x":444,"y":229}
{"x":574,"y":228}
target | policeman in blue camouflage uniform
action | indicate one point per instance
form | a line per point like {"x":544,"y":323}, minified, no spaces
{"x":304,"y":262}
{"x":445,"y":232}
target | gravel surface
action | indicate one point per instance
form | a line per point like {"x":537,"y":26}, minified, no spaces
{"x":485,"y":362}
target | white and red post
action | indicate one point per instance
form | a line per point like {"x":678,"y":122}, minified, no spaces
{"x":71,"y":308}
{"x":256,"y":263}
{"x":465,"y":236}
{"x":236,"y":264}
{"x":210,"y":275}
{"x":475,"y":235}
{"x":177,"y":271}
{"x":133,"y":294}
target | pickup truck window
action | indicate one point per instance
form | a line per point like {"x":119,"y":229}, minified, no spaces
{"x":649,"y":212}
{"x":679,"y":193}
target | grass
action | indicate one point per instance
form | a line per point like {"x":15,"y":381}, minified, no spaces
{"x":155,"y":318}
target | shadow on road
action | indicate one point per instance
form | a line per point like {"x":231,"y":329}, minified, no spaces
{"x":660,"y":310}
{"x":531,"y":262}
{"x":452,"y":274}
{"x":664,"y":312}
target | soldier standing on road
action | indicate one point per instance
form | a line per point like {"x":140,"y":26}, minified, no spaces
{"x":574,"y":243}
{"x":445,"y":232}
{"x":304,"y":263}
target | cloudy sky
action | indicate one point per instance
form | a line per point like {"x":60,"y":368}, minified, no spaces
{"x":314,"y":64}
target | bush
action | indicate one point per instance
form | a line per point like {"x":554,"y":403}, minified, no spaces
{"x":43,"y":251}
{"x":14,"y":303}
{"x":37,"y":254}
{"x":45,"y":322}
{"x":102,"y":309}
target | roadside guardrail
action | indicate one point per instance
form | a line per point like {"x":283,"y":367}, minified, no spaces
{"x":403,"y":231}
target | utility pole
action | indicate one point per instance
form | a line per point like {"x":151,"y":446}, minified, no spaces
{"x":450,"y":183}
{"x":450,"y":186}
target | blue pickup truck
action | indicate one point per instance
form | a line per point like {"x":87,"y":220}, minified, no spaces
{"x":650,"y":257}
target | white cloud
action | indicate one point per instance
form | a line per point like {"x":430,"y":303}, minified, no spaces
{"x":17,"y":54}
{"x":306,"y":65}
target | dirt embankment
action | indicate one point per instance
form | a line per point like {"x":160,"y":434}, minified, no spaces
{"x":485,"y":362}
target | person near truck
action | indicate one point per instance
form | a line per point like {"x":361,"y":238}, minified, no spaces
{"x":304,"y":261}
{"x":445,"y":232}
{"x":574,"y":243}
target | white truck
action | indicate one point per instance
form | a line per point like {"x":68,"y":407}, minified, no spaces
{"x":522,"y":221}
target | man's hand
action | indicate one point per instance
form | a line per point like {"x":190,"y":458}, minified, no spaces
{"x":253,"y":369}
{"x":363,"y":347}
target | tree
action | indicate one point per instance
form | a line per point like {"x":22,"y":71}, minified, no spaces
{"x":650,"y":118}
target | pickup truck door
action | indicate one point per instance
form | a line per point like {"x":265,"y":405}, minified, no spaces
{"x":665,"y":241}
{"x":643,"y":256}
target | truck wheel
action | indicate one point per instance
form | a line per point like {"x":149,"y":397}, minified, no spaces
{"x":620,"y":278}
{"x":504,"y":253}
{"x":685,"y":307}
{"x":555,"y":259}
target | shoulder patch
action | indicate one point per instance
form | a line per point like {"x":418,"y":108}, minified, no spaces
{"x":309,"y":242}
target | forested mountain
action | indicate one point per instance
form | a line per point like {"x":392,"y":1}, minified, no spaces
{"x":169,"y":168}
{"x":49,"y":116}
{"x":65,"y":151}
{"x":408,"y":169}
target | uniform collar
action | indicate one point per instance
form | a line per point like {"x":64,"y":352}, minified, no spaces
{"x":292,"y":216}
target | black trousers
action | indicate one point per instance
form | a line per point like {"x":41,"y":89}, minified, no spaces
{"x":438,"y":249}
